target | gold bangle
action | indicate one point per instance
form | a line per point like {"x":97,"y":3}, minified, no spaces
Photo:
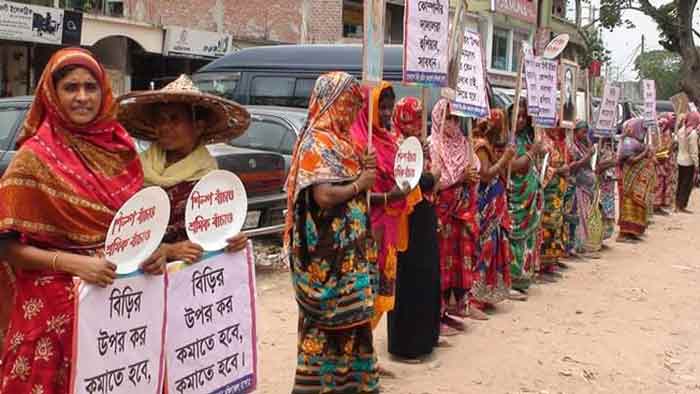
{"x":355,"y":188}
{"x":54,"y":262}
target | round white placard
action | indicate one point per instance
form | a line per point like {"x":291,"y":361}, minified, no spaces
{"x":408,"y":166}
{"x":216,"y":210}
{"x":137,"y":229}
{"x":556,"y":46}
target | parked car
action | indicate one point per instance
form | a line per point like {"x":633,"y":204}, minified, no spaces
{"x":284,"y":75}
{"x":273,"y":129}
{"x":262,"y":173}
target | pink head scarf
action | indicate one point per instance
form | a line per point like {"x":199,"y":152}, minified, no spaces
{"x":449,"y":146}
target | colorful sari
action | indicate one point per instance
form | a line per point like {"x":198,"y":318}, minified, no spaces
{"x":491,"y":271}
{"x":525,"y":204}
{"x":332,"y":255}
{"x":389,"y":222}
{"x":589,"y":232}
{"x":79,"y":176}
{"x":636,"y":182}
{"x":666,"y":170}
{"x":553,"y":232}
{"x":456,"y":207}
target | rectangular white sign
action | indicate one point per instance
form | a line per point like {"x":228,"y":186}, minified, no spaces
{"x":119,"y":337}
{"x":22,"y":22}
{"x":547,"y":87}
{"x":533,"y":96}
{"x":607,"y":112}
{"x":472,"y":100}
{"x":649,"y":92}
{"x":196,"y":43}
{"x":426,"y":28}
{"x":211,"y":345}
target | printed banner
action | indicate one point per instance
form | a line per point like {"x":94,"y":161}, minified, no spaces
{"x":649,"y":92}
{"x":547,"y":87}
{"x":533,"y":94}
{"x":607,"y":113}
{"x":426,"y":28}
{"x":22,"y":22}
{"x":472,"y":100}
{"x":119,"y":337}
{"x":211,"y":342}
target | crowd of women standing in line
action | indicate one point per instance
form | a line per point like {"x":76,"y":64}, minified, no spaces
{"x":484,"y":224}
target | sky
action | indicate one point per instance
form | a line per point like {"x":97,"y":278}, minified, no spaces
{"x":624,"y":43}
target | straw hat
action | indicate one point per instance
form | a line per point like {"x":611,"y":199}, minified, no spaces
{"x":224,"y":119}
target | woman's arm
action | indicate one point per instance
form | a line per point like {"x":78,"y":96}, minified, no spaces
{"x":93,"y":270}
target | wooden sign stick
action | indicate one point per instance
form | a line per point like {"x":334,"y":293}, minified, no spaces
{"x":516,"y":109}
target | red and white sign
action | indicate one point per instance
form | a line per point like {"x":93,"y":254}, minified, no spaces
{"x":649,"y":92}
{"x":216,"y":210}
{"x":211,"y":343}
{"x":408,"y":166}
{"x":118,"y":338}
{"x":525,"y":10}
{"x":137,"y":229}
{"x":556,"y":46}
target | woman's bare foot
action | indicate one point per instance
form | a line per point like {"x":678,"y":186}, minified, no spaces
{"x":454,"y":323}
{"x":447,"y":331}
{"x":443,"y":343}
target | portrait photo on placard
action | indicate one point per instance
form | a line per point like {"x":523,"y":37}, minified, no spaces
{"x":567,"y":102}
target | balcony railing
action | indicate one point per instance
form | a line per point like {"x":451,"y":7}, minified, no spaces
{"x":113,"y":8}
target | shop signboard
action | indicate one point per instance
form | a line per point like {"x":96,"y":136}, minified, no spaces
{"x":31,"y":23}
{"x":180,"y":41}
{"x":525,"y":10}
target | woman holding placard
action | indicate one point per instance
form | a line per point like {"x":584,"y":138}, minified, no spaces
{"x":331,"y":251}
{"x":666,"y":170}
{"x":636,"y":172}
{"x":415,"y":321}
{"x":75,"y":167}
{"x":555,"y":186}
{"x":389,"y":206}
{"x":525,"y":203}
{"x":588,"y":235}
{"x":492,"y":280}
{"x":180,"y":121}
{"x":457,"y":211}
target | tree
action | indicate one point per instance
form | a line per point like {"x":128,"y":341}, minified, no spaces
{"x":663,"y":67}
{"x":674,"y":20}
{"x":595,"y":48}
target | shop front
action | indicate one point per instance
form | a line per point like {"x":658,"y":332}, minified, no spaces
{"x":29,"y":34}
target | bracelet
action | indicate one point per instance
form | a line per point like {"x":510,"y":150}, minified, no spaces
{"x":54,"y":261}
{"x":529,"y":156}
{"x":385,"y":200}
{"x":355,"y":188}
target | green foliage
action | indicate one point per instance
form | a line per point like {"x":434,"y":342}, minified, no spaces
{"x":595,"y":48}
{"x":663,"y":67}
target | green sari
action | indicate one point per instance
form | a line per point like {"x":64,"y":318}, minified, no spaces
{"x":525,"y":206}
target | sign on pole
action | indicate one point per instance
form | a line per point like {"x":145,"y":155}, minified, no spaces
{"x":426,"y":54}
{"x":530,"y":64}
{"x":547,"y":86}
{"x":119,"y":337}
{"x":556,"y":46}
{"x":408,"y":167}
{"x":649,"y":92}
{"x":567,"y":101}
{"x":607,"y":113}
{"x":471,"y":100}
{"x":373,"y":41}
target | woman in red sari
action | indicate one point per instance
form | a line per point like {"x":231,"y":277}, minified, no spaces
{"x":389,"y":208}
{"x":78,"y":165}
{"x":457,"y":211}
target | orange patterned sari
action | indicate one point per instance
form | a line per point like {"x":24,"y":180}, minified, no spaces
{"x":76,"y":177}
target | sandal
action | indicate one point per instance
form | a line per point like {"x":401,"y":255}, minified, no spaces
{"x":477,"y":314}
{"x":447,"y":331}
{"x":515,"y":295}
{"x":443,"y":343}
